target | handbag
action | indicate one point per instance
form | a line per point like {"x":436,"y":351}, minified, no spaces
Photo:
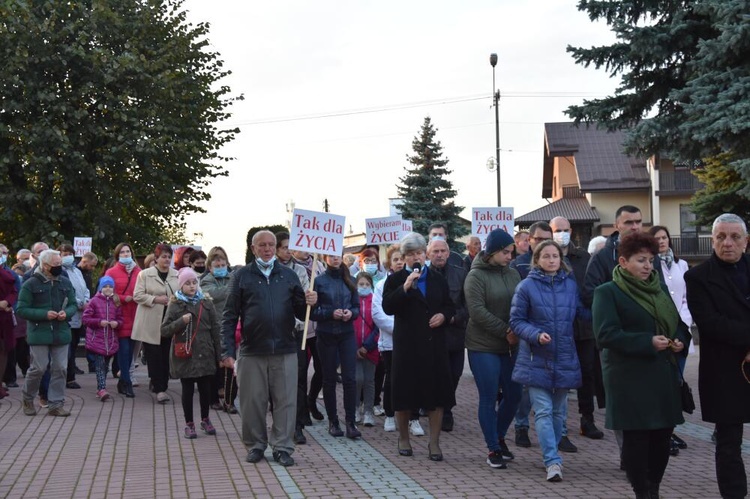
{"x":183,"y":343}
{"x":686,"y":394}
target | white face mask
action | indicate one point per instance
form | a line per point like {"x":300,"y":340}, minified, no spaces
{"x":561,"y":238}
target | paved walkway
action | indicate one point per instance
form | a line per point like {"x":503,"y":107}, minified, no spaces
{"x":133,"y":448}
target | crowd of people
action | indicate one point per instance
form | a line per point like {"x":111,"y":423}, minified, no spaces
{"x":535,"y":315}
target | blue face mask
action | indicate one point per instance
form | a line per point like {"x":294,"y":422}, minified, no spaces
{"x":364,"y":291}
{"x":221,"y":272}
{"x":68,"y":261}
{"x":126,"y":260}
{"x":3,"y":259}
{"x":371,"y":268}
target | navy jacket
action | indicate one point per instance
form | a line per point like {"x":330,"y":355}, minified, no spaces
{"x":522,"y":264}
{"x":334,"y":294}
{"x":548,"y":304}
{"x":266,"y":308}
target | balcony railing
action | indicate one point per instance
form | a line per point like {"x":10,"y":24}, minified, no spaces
{"x":691,"y":246}
{"x":572,"y":191}
{"x":678,"y":181}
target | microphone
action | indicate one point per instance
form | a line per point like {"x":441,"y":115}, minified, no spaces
{"x":417,"y":269}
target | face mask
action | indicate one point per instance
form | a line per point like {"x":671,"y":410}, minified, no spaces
{"x":56,"y":271}
{"x":3,"y":259}
{"x":364,"y":291}
{"x":68,"y":261}
{"x":221,"y":272}
{"x":265,"y":267}
{"x":199,"y":270}
{"x":561,"y":238}
{"x":126,"y":260}
{"x":27,"y":264}
{"x":371,"y":268}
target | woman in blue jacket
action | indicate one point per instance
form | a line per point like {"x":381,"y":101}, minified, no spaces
{"x":337,"y":307}
{"x":542,"y":313}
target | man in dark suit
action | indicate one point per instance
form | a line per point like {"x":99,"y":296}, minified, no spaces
{"x":718,"y":295}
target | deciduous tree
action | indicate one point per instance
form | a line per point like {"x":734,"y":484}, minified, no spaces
{"x":111,"y":119}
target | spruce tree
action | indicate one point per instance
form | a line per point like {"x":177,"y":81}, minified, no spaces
{"x":684,"y":83}
{"x":427,"y":193}
{"x":723,"y":184}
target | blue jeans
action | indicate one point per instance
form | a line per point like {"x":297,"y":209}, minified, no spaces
{"x":125,"y":358}
{"x":491,"y":371}
{"x":332,"y":349}
{"x":548,"y":418}
{"x":524,"y":409}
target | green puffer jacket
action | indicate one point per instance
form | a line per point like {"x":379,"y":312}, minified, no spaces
{"x":489,"y":290}
{"x":206,"y":348}
{"x":40,"y":294}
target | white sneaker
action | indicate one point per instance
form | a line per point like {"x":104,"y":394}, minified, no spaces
{"x":554,"y":473}
{"x":390,"y":424}
{"x":378,"y":410}
{"x":358,"y":414}
{"x":415,"y":428}
{"x":134,"y":380}
{"x":369,"y":419}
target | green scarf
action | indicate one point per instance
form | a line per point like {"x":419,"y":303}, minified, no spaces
{"x":649,"y":295}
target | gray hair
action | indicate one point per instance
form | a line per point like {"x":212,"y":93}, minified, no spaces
{"x":437,"y":240}
{"x":412,"y":242}
{"x":22,"y":252}
{"x":729,"y":218}
{"x":596,"y":242}
{"x":263,"y":233}
{"x":46,"y":256}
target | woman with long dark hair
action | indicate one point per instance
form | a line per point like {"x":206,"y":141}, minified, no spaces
{"x":337,"y":307}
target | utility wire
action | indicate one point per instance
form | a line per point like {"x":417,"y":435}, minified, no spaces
{"x":398,"y":107}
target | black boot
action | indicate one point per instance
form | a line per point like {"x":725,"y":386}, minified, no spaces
{"x":314,"y":411}
{"x":643,"y":495}
{"x":128,"y":390}
{"x":334,"y":429}
{"x":653,"y":490}
{"x":589,"y":429}
{"x":120,"y":386}
{"x":299,"y":437}
{"x":352,"y":431}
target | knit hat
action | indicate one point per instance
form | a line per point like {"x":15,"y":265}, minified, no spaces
{"x":105,"y":281}
{"x":497,"y":240}
{"x":185,"y":274}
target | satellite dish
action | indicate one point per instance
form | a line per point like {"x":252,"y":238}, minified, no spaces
{"x":491,"y":164}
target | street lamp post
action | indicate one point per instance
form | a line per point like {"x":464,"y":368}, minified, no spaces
{"x":496,"y":103}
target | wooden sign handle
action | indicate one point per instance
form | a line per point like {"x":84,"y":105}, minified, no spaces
{"x":307,"y":312}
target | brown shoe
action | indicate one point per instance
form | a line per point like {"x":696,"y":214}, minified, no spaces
{"x":59,"y":412}
{"x":28,"y":408}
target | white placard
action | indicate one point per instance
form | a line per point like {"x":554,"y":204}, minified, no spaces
{"x":317,"y":232}
{"x":82,"y":245}
{"x":384,"y":230}
{"x":406,"y":227}
{"x":485,"y":220}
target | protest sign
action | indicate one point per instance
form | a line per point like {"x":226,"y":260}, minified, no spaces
{"x":485,"y":220}
{"x":385,"y":230}
{"x":317,"y":232}
{"x":406,"y":227}
{"x":82,"y":245}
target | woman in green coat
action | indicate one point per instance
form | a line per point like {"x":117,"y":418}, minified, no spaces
{"x":640,"y":333}
{"x":193,"y":324}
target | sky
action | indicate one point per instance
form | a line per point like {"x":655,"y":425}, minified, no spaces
{"x":298,"y":62}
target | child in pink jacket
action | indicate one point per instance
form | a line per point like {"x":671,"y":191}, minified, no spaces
{"x":101,"y":318}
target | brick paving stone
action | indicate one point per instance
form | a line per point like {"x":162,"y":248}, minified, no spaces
{"x":134,"y":448}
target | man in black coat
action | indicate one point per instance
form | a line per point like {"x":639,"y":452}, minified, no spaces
{"x":578,"y":259}
{"x":455,"y":330}
{"x":718,"y":295}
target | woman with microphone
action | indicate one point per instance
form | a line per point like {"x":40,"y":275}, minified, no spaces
{"x":420,"y":302}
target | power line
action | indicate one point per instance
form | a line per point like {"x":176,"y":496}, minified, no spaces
{"x":411,"y":105}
